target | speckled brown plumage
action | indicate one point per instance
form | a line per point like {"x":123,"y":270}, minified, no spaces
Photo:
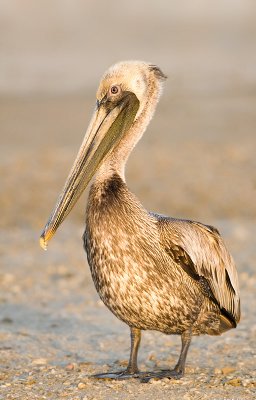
{"x":145,"y":279}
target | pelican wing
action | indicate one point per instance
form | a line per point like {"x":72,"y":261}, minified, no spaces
{"x":201,"y":252}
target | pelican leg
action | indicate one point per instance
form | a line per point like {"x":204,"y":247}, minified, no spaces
{"x":179,"y":369}
{"x":132,"y":370}
{"x":135,"y":344}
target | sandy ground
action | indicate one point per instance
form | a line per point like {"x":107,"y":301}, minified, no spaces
{"x":196,"y":161}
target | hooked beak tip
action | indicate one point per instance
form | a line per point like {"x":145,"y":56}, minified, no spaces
{"x":43,"y":242}
{"x":46,"y":235}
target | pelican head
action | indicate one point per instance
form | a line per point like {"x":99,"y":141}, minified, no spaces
{"x":126,"y":99}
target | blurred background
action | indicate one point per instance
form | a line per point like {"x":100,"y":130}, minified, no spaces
{"x":197,"y":159}
{"x":53,"y":54}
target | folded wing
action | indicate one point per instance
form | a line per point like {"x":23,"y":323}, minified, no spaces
{"x":201,"y":252}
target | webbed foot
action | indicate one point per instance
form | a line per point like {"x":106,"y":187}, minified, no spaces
{"x":166,"y":373}
{"x":120,"y":375}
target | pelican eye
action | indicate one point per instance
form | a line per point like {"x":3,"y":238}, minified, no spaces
{"x":115,"y":89}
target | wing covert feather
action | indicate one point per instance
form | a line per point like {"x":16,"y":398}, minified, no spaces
{"x":205,"y":255}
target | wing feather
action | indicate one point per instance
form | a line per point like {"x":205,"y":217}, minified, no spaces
{"x":201,"y":252}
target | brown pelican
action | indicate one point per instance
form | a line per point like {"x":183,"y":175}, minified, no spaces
{"x":152,"y":271}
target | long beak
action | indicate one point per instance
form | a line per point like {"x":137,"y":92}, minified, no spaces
{"x":107,"y":127}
